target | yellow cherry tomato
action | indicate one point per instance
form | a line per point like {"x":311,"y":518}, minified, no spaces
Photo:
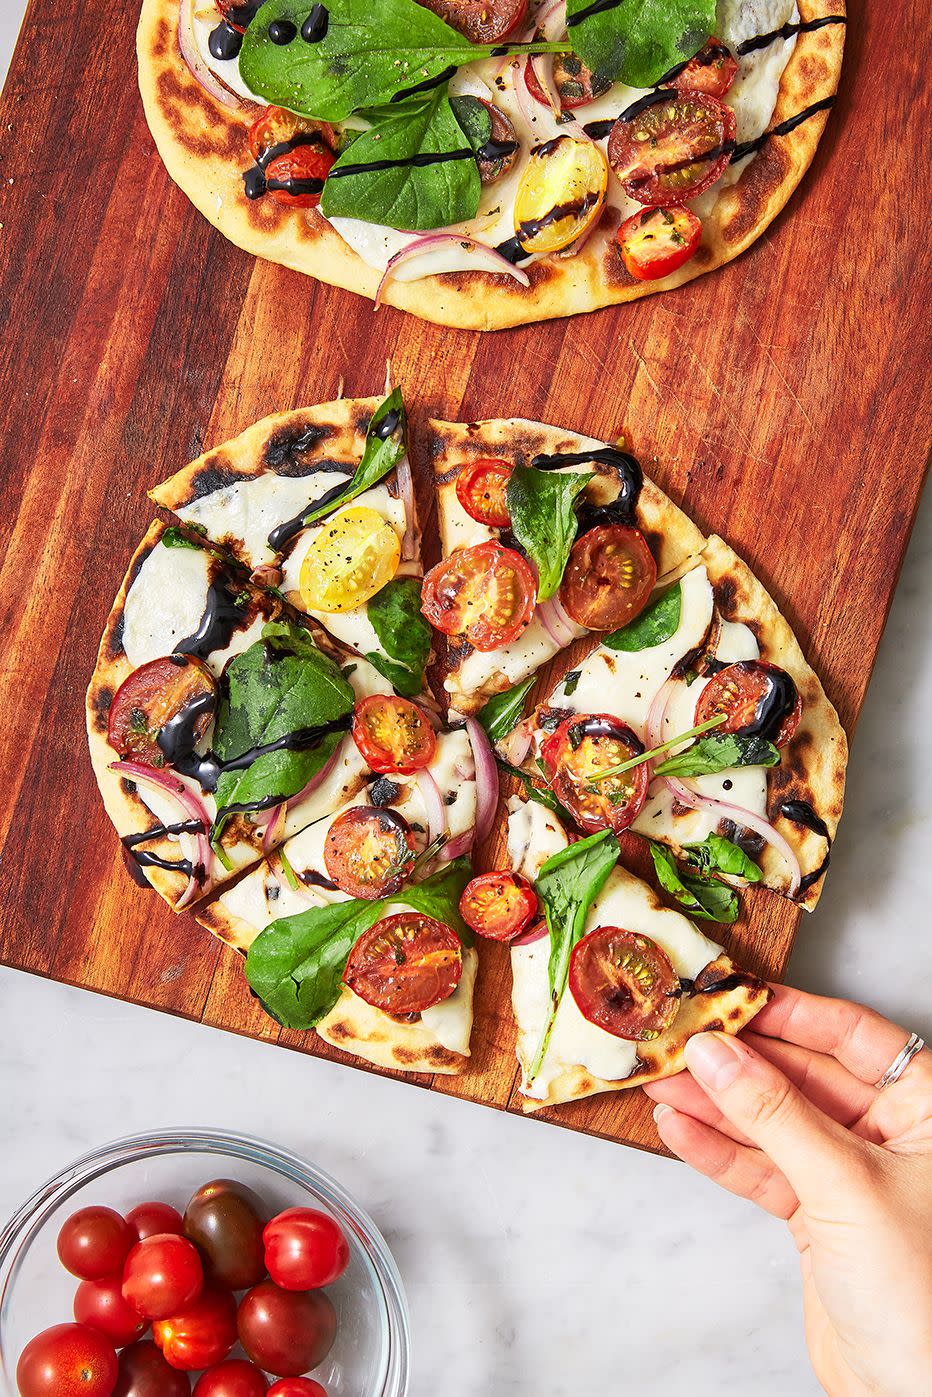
{"x":560,"y":195}
{"x":353,"y":556}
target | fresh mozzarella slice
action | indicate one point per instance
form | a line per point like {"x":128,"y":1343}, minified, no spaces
{"x":165,"y":603}
{"x":450,"y":1021}
{"x":533,"y":648}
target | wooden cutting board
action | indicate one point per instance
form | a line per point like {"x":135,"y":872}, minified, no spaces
{"x":783,"y":401}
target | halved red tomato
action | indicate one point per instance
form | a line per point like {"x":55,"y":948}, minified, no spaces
{"x":297,"y":177}
{"x":674,"y":149}
{"x":608,"y":578}
{"x":498,"y":905}
{"x":480,"y":489}
{"x":485,"y":594}
{"x":277,"y":127}
{"x":405,"y":963}
{"x":655,"y":242}
{"x":713,"y":70}
{"x":577,"y":752}
{"x":757,"y":698}
{"x":482,"y":21}
{"x":369,"y":852}
{"x":175,"y":687}
{"x":574,"y":83}
{"x":624,"y":983}
{"x":393,"y":734}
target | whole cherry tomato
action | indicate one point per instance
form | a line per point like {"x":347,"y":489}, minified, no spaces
{"x":235,"y":1378}
{"x":148,"y":1219}
{"x":144,"y":1373}
{"x":94,"y":1242}
{"x":286,"y":1332}
{"x":304,"y":1249}
{"x":163,"y":1273}
{"x":296,"y":1387}
{"x":201,"y":1334}
{"x":69,"y":1360}
{"x":100,"y":1305}
{"x":224,"y":1220}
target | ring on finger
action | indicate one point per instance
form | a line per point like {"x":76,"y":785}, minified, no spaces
{"x":914,"y":1045}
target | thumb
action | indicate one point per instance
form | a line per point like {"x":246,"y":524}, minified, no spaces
{"x":817,"y":1156}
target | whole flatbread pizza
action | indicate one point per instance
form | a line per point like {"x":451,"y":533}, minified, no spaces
{"x":490,"y":164}
{"x":299,"y":731}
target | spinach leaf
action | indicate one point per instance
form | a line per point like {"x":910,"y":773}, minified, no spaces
{"x":504,"y":711}
{"x":413,"y":168}
{"x":474,"y":119}
{"x":173,"y":537}
{"x":383,"y":450}
{"x":718,"y":751}
{"x":637,"y":41}
{"x":716,"y":854}
{"x":404,"y":635}
{"x":567,"y":886}
{"x":700,"y":896}
{"x":370,"y":54}
{"x":296,"y":964}
{"x":543,"y":520}
{"x":654,"y":625}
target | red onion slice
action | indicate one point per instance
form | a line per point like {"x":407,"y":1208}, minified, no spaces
{"x":486,"y":778}
{"x":556,"y":622}
{"x":542,"y":66}
{"x":406,"y":494}
{"x":552,"y":20}
{"x":460,"y":845}
{"x":433,"y":805}
{"x":515,"y":746}
{"x":487,"y":259}
{"x":536,"y":932}
{"x":192,"y":806}
{"x":315,"y":781}
{"x":312,"y":899}
{"x":686,"y":795}
{"x":187,"y":43}
{"x":275,"y":828}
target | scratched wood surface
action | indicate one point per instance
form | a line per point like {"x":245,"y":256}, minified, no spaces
{"x":782,"y":399}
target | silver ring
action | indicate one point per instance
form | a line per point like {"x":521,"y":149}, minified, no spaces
{"x":898,"y":1066}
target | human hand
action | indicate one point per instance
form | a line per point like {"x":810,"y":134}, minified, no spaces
{"x":789,"y":1116}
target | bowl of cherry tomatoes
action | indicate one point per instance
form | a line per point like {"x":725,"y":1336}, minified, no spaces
{"x":197,"y":1262}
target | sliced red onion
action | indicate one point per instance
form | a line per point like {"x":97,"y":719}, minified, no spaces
{"x":433,"y":805}
{"x":555,"y":622}
{"x":536,"y":932}
{"x":275,"y":828}
{"x":515,"y":746}
{"x":187,"y":43}
{"x":312,"y":899}
{"x":486,"y":778}
{"x":460,"y":845}
{"x":487,"y":259}
{"x":552,"y":20}
{"x":542,"y":65}
{"x":315,"y":781}
{"x":192,"y":806}
{"x":746,"y":819}
{"x":653,"y":737}
{"x":406,"y":493}
{"x":526,"y":103}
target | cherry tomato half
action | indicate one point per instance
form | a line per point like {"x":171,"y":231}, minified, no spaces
{"x":499,"y":153}
{"x":353,"y":555}
{"x":480,"y":489}
{"x":580,"y":748}
{"x":758,"y":699}
{"x":296,"y":1387}
{"x":162,"y":1274}
{"x":369,"y":852}
{"x":201,"y":1333}
{"x":498,"y":905}
{"x":624,"y":983}
{"x":405,"y":963}
{"x":94,"y":1242}
{"x":224,"y":1221}
{"x":560,"y":195}
{"x":100,"y":1305}
{"x":482,"y":21}
{"x":286,"y":1332}
{"x":146,"y":1219}
{"x":608,"y":578}
{"x":655,"y":242}
{"x":68,"y":1360}
{"x":393,"y":734}
{"x":152,"y":695}
{"x":144,"y":1373}
{"x":305,"y":1249}
{"x":713,"y":70}
{"x":278,"y":127}
{"x":575,"y":84}
{"x":485,"y":594}
{"x":234,"y":1378}
{"x":297,"y":177}
{"x":674,"y":149}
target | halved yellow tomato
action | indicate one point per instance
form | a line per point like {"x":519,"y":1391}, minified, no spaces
{"x":560,"y":195}
{"x":353,"y":556}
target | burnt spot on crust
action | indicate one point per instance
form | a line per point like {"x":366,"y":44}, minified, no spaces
{"x":115,"y":640}
{"x":735,"y":1014}
{"x":703,"y":256}
{"x":769,"y":168}
{"x":713,"y":1026}
{"x":340,"y":1031}
{"x":196,"y":120}
{"x":285,"y":448}
{"x":439,"y":1057}
{"x":210,"y":477}
{"x":613,"y":265}
{"x":404,"y":1055}
{"x":363,"y":418}
{"x":161,"y":41}
{"x":100,"y":701}
{"x":726,"y":593}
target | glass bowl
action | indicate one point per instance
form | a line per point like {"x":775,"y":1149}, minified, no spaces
{"x":370,"y":1357}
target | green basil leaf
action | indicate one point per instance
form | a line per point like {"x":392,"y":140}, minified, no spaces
{"x":174,"y":538}
{"x":296,"y":964}
{"x":380,"y":455}
{"x":637,"y":41}
{"x":705,"y":898}
{"x":404,"y":635}
{"x":655,"y":625}
{"x":503,"y":711}
{"x":567,"y":886}
{"x":716,"y":854}
{"x":719,"y":751}
{"x":543,"y":520}
{"x":543,"y":795}
{"x":370,"y":54}
{"x":474,"y":119}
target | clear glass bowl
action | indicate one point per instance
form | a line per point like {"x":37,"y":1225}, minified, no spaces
{"x":370,"y":1357}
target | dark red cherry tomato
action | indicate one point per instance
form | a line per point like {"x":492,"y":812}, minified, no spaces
{"x":757,"y":698}
{"x":224,"y":1220}
{"x":286,"y":1332}
{"x":100,"y":1305}
{"x":147,"y":1219}
{"x":485,"y":593}
{"x":713,"y":70}
{"x":296,"y":1387}
{"x":152,"y":695}
{"x":162,"y":1274}
{"x":405,"y":964}
{"x":305,"y":1249}
{"x":297,"y":177}
{"x":577,"y":752}
{"x":673,"y":150}
{"x":278,"y":127}
{"x":608,"y":578}
{"x":369,"y":851}
{"x":199,"y":1334}
{"x":68,"y":1360}
{"x":144,"y":1373}
{"x":624,"y":983}
{"x":94,"y":1242}
{"x":393,"y":734}
{"x":234,"y":1378}
{"x":655,"y":242}
{"x":482,"y":21}
{"x":575,"y":84}
{"x":481,"y":490}
{"x":499,"y":153}
{"x":498,"y":905}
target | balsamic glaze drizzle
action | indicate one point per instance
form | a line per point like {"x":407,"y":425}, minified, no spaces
{"x":628,"y":469}
{"x":786,"y":31}
{"x":802,"y":813}
{"x":417,"y":162}
{"x":316,"y":25}
{"x":282,"y":534}
{"x":222,"y":614}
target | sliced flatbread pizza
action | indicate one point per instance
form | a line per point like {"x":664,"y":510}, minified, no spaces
{"x":602,"y":152}
{"x":609,"y":988}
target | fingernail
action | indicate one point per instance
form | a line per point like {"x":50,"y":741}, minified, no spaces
{"x":713,"y":1060}
{"x":659,"y":1110}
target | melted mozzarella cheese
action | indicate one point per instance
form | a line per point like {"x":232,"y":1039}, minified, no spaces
{"x":165,"y":603}
{"x":450,"y":1021}
{"x":533,"y":648}
{"x":248,"y":510}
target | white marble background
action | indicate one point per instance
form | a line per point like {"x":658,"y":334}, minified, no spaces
{"x":538,"y":1263}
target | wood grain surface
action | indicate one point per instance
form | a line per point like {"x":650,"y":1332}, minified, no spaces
{"x":783,"y":401}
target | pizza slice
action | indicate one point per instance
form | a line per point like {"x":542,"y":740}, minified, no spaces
{"x":545,"y":536}
{"x":746,"y":774}
{"x":319,"y":504}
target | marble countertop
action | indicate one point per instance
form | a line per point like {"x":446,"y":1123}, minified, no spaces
{"x":538,"y":1263}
